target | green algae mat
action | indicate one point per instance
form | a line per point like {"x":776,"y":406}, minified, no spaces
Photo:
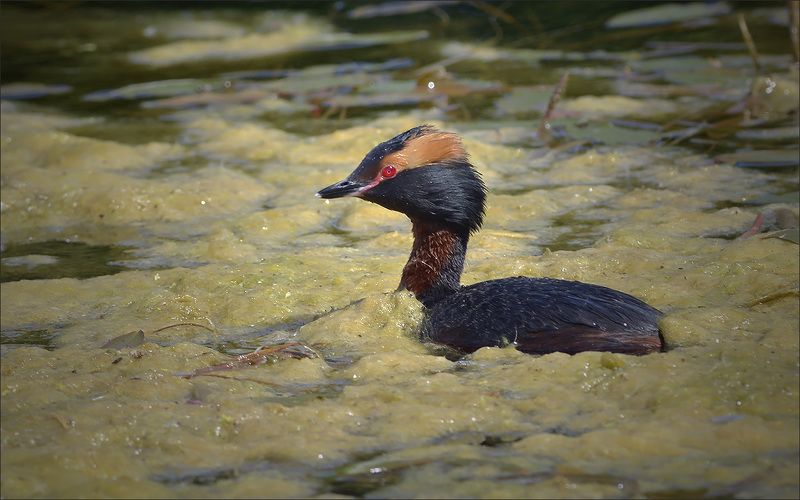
{"x":159,"y":235}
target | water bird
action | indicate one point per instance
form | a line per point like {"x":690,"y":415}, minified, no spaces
{"x":426,"y":174}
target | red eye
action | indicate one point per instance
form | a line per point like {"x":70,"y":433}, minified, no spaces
{"x":388,"y":172}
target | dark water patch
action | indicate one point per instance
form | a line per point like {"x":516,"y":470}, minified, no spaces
{"x":765,"y":159}
{"x":477,"y":438}
{"x":15,"y":91}
{"x":511,"y":72}
{"x":723,"y":235}
{"x":516,"y":191}
{"x":269,"y":205}
{"x":178,"y":166}
{"x":210,"y":476}
{"x":631,"y":181}
{"x":360,"y":485}
{"x":679,"y":493}
{"x":520,"y":190}
{"x":247,"y":340}
{"x":356,"y":481}
{"x":60,"y":259}
{"x":583,"y":232}
{"x":624,"y":182}
{"x":626,"y":486}
{"x":299,"y":124}
{"x":206,"y":476}
{"x":563,"y":430}
{"x":325,"y":478}
{"x":789,"y":197}
{"x":462,"y":362}
{"x":43,"y":338}
{"x":129,"y":130}
{"x":156,"y":263}
{"x":199,"y":476}
{"x":301,"y":394}
{"x":351,"y":238}
{"x":340,"y":362}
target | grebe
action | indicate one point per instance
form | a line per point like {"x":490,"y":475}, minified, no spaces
{"x":426,"y":174}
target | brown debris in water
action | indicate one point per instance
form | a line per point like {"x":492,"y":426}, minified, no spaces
{"x":137,"y":337}
{"x":780,"y":223}
{"x":260,"y":356}
{"x":755,"y":228}
{"x":544,"y":125}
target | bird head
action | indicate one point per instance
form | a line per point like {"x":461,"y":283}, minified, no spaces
{"x":424,"y":173}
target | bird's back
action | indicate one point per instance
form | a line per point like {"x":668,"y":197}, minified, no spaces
{"x":542,"y":315}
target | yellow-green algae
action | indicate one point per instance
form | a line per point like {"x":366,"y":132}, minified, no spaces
{"x":718,"y":412}
{"x":221,"y":230}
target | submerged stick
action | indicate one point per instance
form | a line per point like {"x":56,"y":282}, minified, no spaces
{"x":794,"y":27}
{"x":493,"y":11}
{"x":135,"y":338}
{"x":748,"y":40}
{"x":755,"y":228}
{"x":184,"y":324}
{"x":793,"y":292}
{"x":260,"y":356}
{"x":240,"y":379}
{"x":544,"y":124}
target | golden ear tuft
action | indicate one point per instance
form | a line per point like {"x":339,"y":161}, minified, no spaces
{"x":432,"y":147}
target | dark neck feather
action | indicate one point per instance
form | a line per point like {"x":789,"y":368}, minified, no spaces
{"x":433,"y":270}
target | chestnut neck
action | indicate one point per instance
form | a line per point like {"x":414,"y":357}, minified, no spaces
{"x":433,"y":270}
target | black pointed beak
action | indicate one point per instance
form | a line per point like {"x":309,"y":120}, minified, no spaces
{"x":340,"y":189}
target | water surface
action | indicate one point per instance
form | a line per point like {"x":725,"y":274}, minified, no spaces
{"x":158,"y":170}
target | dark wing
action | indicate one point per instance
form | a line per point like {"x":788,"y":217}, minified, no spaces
{"x":578,"y":339}
{"x":544,"y":315}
